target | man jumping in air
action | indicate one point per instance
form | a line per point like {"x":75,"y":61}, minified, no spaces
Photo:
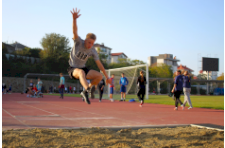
{"x":81,"y":51}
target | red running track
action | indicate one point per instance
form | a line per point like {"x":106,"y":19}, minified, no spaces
{"x":20,"y":112}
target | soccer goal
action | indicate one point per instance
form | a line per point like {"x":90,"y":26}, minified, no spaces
{"x":131,"y":73}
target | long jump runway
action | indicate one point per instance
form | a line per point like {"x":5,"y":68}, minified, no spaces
{"x":20,"y":112}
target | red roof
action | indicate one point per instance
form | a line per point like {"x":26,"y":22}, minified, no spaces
{"x":201,"y":71}
{"x":195,"y":77}
{"x":183,"y":67}
{"x":116,"y":54}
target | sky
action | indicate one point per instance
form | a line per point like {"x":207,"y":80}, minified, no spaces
{"x":188,"y":29}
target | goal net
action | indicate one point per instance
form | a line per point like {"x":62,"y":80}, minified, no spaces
{"x":131,"y":73}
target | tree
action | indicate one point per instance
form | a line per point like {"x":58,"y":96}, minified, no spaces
{"x":55,"y":46}
{"x":221,"y":77}
{"x":202,"y":76}
{"x":136,"y":62}
{"x":24,"y":52}
{"x":35,"y":52}
{"x":55,"y":53}
{"x":163,"y":71}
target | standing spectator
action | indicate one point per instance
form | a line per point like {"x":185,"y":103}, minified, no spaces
{"x":74,"y":89}
{"x":39,"y":85}
{"x":51,"y":88}
{"x":10,"y":89}
{"x":187,"y":90}
{"x":70,"y":89}
{"x":31,"y":84}
{"x":112,"y":88}
{"x":54,"y":90}
{"x":101,"y":86}
{"x":65,"y":89}
{"x":177,"y":89}
{"x":123,"y":83}
{"x":4,"y":88}
{"x":141,"y":87}
{"x":61,"y":84}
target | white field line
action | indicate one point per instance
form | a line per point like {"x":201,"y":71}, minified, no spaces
{"x":41,"y":109}
{"x":95,"y":114}
{"x":16,"y":118}
{"x":28,"y":101}
{"x":63,"y":118}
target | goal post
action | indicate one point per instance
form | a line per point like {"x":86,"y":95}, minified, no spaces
{"x":132,"y":74}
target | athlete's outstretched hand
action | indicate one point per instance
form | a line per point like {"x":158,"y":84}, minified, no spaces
{"x":75,"y":13}
{"x":108,"y":81}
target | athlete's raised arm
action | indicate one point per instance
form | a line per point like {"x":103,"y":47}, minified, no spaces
{"x":101,"y":67}
{"x":75,"y":15}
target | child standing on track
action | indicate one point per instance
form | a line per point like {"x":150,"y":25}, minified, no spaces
{"x":123,"y":83}
{"x":61,"y":85}
{"x":112,"y":88}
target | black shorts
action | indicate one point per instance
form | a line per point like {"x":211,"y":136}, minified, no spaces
{"x":71,"y":69}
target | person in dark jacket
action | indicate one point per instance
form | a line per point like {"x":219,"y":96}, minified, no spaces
{"x":141,"y":82}
{"x":187,"y":89}
{"x":177,"y":89}
{"x":101,"y":86}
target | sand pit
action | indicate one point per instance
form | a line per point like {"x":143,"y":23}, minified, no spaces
{"x":107,"y":138}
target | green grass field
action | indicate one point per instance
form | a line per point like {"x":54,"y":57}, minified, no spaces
{"x":213,"y":102}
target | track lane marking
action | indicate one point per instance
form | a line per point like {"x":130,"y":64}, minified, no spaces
{"x":16,"y":118}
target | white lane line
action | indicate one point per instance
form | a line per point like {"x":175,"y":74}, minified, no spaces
{"x":95,"y":114}
{"x":200,"y":126}
{"x":16,"y":118}
{"x":41,"y":109}
{"x":39,"y":116}
{"x":63,"y":118}
{"x":28,"y":101}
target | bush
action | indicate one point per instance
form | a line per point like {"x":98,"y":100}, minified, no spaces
{"x":202,"y":91}
{"x":194,"y":90}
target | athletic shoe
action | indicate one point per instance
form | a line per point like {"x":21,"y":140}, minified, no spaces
{"x":183,"y":107}
{"x":140,"y":105}
{"x":84,"y":94}
{"x":190,"y":107}
{"x":112,"y":100}
{"x":121,"y":100}
{"x":175,"y":108}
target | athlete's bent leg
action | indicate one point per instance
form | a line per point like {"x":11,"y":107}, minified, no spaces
{"x":80,"y":74}
{"x":95,"y":76}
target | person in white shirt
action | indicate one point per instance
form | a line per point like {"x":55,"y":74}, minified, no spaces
{"x":74,"y":89}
